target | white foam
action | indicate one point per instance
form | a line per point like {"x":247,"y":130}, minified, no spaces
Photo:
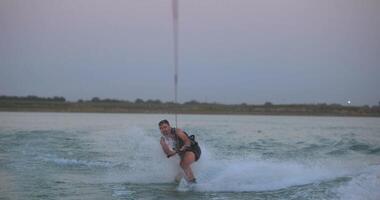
{"x":144,"y":157}
{"x":74,"y":162}
{"x":120,"y":191}
{"x":147,"y":164}
{"x":260,"y":175}
{"x":184,"y":186}
{"x":365,"y":186}
{"x":150,"y":165}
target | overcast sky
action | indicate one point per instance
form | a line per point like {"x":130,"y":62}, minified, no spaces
{"x":231,"y":51}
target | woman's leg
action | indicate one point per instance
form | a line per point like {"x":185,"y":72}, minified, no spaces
{"x":185,"y":163}
{"x":178,"y":177}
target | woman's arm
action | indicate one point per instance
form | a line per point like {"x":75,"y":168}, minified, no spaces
{"x":165,"y":147}
{"x":184,"y":138}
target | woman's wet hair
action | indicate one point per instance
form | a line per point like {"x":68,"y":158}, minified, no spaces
{"x":163,"y":122}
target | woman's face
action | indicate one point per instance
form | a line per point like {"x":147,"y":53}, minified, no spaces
{"x":165,"y":129}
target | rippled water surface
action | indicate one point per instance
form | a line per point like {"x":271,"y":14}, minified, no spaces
{"x":117,"y":156}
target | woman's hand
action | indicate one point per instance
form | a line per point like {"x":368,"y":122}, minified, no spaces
{"x":184,"y":148}
{"x":170,"y":155}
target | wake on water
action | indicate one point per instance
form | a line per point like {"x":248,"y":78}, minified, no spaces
{"x":249,"y":174}
{"x":144,"y":163}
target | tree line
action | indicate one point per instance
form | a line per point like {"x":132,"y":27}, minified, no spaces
{"x":32,"y":98}
{"x":157,"y":101}
{"x":96,"y":104}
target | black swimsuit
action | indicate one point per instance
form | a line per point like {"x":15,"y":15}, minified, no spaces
{"x":193,"y":148}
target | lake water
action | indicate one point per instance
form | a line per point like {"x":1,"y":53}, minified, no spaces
{"x":118,"y":156}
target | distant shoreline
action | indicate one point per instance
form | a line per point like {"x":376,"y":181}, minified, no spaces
{"x":165,"y":113}
{"x":190,"y":108}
